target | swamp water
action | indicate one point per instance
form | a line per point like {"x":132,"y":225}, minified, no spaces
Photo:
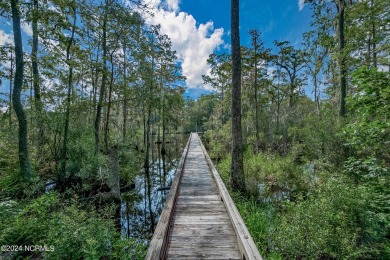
{"x":141,"y":207}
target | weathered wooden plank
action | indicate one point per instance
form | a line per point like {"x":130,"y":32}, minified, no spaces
{"x":201,"y":206}
{"x":201,"y":253}
{"x":204,"y":239}
{"x":208,"y":221}
{"x":201,"y":197}
{"x":200,"y":209}
{"x":160,"y":236}
{"x":214,"y":246}
{"x":202,"y":230}
{"x":195,"y":192}
{"x":199,"y":213}
{"x":197,"y":258}
{"x":200,"y":218}
{"x":245,"y":241}
{"x":189,"y":202}
{"x":201,"y":225}
{"x":200,"y":191}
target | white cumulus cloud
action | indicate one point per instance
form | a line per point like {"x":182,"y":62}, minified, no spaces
{"x":173,"y":5}
{"x":5,"y":38}
{"x":26,"y":27}
{"x":301,"y":4}
{"x":193,"y":43}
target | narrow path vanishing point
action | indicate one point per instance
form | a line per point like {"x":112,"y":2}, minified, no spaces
{"x":199,"y":220}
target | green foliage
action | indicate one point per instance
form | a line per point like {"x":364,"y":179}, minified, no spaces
{"x":257,"y":218}
{"x":369,"y":129}
{"x":218,"y":142}
{"x":12,"y":184}
{"x":75,"y":233}
{"x":276,"y":173}
{"x":317,"y":183}
{"x":318,"y":137}
{"x":305,"y":210}
{"x":332,"y":223}
{"x":130,"y":163}
{"x":330,"y":216}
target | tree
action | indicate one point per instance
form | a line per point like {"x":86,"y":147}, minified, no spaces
{"x":35,"y":78}
{"x":258,"y":57}
{"x":315,"y":59}
{"x":8,"y":73}
{"x":24,"y":161}
{"x":341,"y":5}
{"x":256,"y":44}
{"x":342,"y":52}
{"x":102,"y":92}
{"x":237,"y":177}
{"x":219,"y":77}
{"x":72,"y":7}
{"x":291,"y":61}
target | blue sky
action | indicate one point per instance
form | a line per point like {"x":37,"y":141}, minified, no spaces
{"x":276,"y":19}
{"x":282,"y":20}
{"x":199,"y":27}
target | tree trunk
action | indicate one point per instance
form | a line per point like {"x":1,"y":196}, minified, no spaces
{"x":24,"y":161}
{"x":255,"y":38}
{"x":114,"y":176}
{"x":10,"y":91}
{"x":316,"y":94}
{"x":256,"y":104}
{"x":125,"y":96}
{"x":147,"y":137}
{"x":237,"y":178}
{"x":374,"y":58}
{"x":342,"y":58}
{"x":102,"y":92}
{"x":94,"y":80}
{"x":106,"y":128}
{"x":222,"y":114}
{"x":68,"y":98}
{"x":35,"y":72}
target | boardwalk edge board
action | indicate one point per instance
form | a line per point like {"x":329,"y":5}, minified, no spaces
{"x":206,"y":225}
{"x":160,"y":236}
{"x":245,"y":242}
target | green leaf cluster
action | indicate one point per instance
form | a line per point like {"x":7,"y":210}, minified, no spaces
{"x":74,"y":232}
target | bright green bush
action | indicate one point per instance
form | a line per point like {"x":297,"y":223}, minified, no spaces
{"x":257,"y":218}
{"x":75,"y":233}
{"x":218,"y":142}
{"x":326,"y":216}
{"x":275,"y":172}
{"x":368,"y":131}
{"x":332,"y":223}
{"x":318,"y":137}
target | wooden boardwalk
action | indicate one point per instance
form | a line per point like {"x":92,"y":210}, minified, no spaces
{"x":199,"y":220}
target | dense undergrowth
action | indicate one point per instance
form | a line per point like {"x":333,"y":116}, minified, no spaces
{"x":328,"y":197}
{"x":69,"y":227}
{"x":73,"y":224}
{"x":68,"y":231}
{"x":331,"y":219}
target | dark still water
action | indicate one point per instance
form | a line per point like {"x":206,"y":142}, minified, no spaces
{"x":142,"y":206}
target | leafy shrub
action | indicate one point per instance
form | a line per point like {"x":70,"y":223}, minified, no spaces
{"x":218,"y":142}
{"x":257,"y":218}
{"x":318,"y":137}
{"x":277,"y":174}
{"x":332,"y":223}
{"x":74,"y":233}
{"x":369,"y":130}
